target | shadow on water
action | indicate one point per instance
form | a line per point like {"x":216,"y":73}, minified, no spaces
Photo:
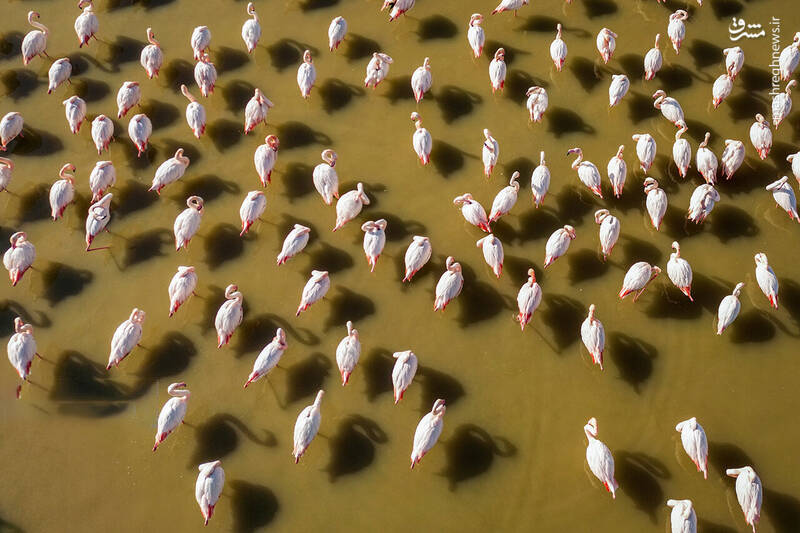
{"x":306,"y":377}
{"x":359,"y":47}
{"x":709,"y":527}
{"x":348,"y":305}
{"x":636,"y":250}
{"x":160,"y":114}
{"x":399,"y":88}
{"x":585,"y":265}
{"x":585,"y":72}
{"x":178,"y":72}
{"x":147,"y":245}
{"x":337,"y":95}
{"x":640,"y":107}
{"x":218,"y":437}
{"x":254,"y":333}
{"x":564,"y":316}
{"x":632,"y":66}
{"x":91,"y":90}
{"x":478,"y":300}
{"x":599,"y":8}
{"x":674,"y":304}
{"x":436,"y":27}
{"x":517,"y":84}
{"x":574,"y":203}
{"x":377,"y":370}
{"x":537,"y":224}
{"x":310,"y":5}
{"x":704,"y":53}
{"x":227,"y":59}
{"x":446,"y":158}
{"x":83,"y":387}
{"x":254,"y":506}
{"x":19,"y":83}
{"x":329,"y":258}
{"x":169,"y":357}
{"x":729,"y":222}
{"x":562,"y":121}
{"x":209,"y":187}
{"x":471,"y":452}
{"x":753,"y":326}
{"x":726,"y":8}
{"x":11,"y":45}
{"x":397,"y":228}
{"x":511,"y":52}
{"x":62,"y":281}
{"x":286,"y":53}
{"x":9,"y":310}
{"x":297,"y":180}
{"x":236,"y":95}
{"x":633,"y":358}
{"x":223,"y":244}
{"x":353,"y":446}
{"x":435,"y":385}
{"x":745,"y":105}
{"x":134,"y":196}
{"x":122,"y":50}
{"x":225,"y":133}
{"x":455,"y":103}
{"x":524,"y":166}
{"x":675,"y":77}
{"x":755,"y":79}
{"x":789,"y":298}
{"x":638,"y":475}
{"x":35,"y":205}
{"x":297,"y":134}
{"x":35,"y":143}
{"x":516,"y":268}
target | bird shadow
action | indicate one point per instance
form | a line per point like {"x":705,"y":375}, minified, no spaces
{"x":225,"y":133}
{"x":564,"y":316}
{"x":639,"y":474}
{"x":471,"y":452}
{"x":599,"y":8}
{"x":704,"y":53}
{"x":359,"y":47}
{"x":337,"y":95}
{"x":633,"y":358}
{"x":35,"y":143}
{"x":83,"y":388}
{"x":377,"y":370}
{"x":585,"y":265}
{"x":585,"y":71}
{"x":562,"y":121}
{"x":171,"y":356}
{"x":222,"y":244}
{"x":19,"y":83}
{"x":179,"y":72}
{"x":446,"y":158}
{"x":253,"y":506}
{"x":254,"y":333}
{"x":288,"y":52}
{"x":348,"y":305}
{"x":160,"y":114}
{"x":297,"y":135}
{"x":353,"y":446}
{"x":91,"y":90}
{"x":227,"y":59}
{"x":11,"y":45}
{"x":479,"y":301}
{"x":134,"y":196}
{"x":219,"y":436}
{"x":146,"y":246}
{"x":10,"y":309}
{"x":236,"y":95}
{"x":436,"y":384}
{"x":517,"y":84}
{"x":62,"y":281}
{"x":306,"y":377}
{"x":399,"y":88}
{"x":35,"y":204}
{"x":330,"y":258}
{"x":436,"y":27}
{"x":455,"y":103}
{"x":511,"y":52}
{"x":209,"y":187}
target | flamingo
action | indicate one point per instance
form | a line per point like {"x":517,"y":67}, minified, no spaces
{"x":682,"y":518}
{"x":62,"y":192}
{"x":251,"y":29}
{"x":315,"y":289}
{"x":336,"y":32}
{"x":505,"y":199}
{"x":294,"y":243}
{"x":306,"y":74}
{"x":128,"y":96}
{"x":306,"y":427}
{"x":606,"y":43}
{"x":6,"y":168}
{"x":637,"y":279}
{"x":558,"y":244}
{"x":706,"y":161}
{"x":181,"y":287}
{"x":126,"y":338}
{"x":794,"y":159}
{"x":787,"y":61}
{"x":421,"y":80}
{"x":492,"y":253}
{"x":59,"y":72}
{"x":599,"y":457}
{"x":510,"y":5}
{"x":587,"y":172}
{"x":152,"y":57}
{"x":593,"y":335}
{"x":645,"y":149}
{"x":729,"y":309}
{"x":326,"y":180}
{"x":473,"y":211}
{"x":558,"y":49}
{"x":748,"y":492}
{"x":403,"y":372}
{"x":656,"y":201}
{"x":35,"y":41}
{"x":21,"y":350}
{"x":102,"y":132}
{"x":681,"y":151}
{"x":734,"y":61}
{"x":75,"y":109}
{"x":617,"y":171}
{"x":417,"y":255}
{"x":537,"y":103}
{"x":265,"y":157}
{"x":421,"y":140}
{"x":195,"y":113}
{"x":86,"y":24}
{"x":208,"y":487}
{"x":229,"y":315}
{"x":349,"y":205}
{"x":205,"y":75}
{"x":617,"y":89}
{"x":449,"y":285}
{"x":767,"y":280}
{"x":669,"y":107}
{"x":19,"y":258}
{"x":528,"y":299}
{"x":761,"y":136}
{"x":428,"y":430}
{"x":732,"y":157}
{"x":139,"y":130}
{"x":702,"y":202}
{"x":490,"y":151}
{"x":269,"y":357}
{"x":653,"y":60}
{"x":782,"y":104}
{"x":199,"y":41}
{"x":497,"y":70}
{"x":609,"y":231}
{"x":784,"y":197}
{"x":475,"y":34}
{"x":399,"y":7}
{"x":348,"y":352}
{"x":169,"y":171}
{"x":172,"y":413}
{"x":252,"y":208}
{"x":374,"y":240}
{"x":540,"y":181}
{"x":676,"y":29}
{"x":97,"y":219}
{"x":693,"y":438}
{"x":721,"y":89}
{"x":377,"y":69}
{"x":10,"y":126}
{"x":187,"y":222}
{"x":680,"y":271}
{"x":102,"y":177}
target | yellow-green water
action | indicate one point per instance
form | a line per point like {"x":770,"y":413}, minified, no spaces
{"x":76,"y":447}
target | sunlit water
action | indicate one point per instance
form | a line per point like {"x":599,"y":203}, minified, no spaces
{"x":76,"y":447}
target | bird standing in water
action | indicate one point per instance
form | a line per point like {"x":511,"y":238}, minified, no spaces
{"x":405,"y":368}
{"x":315,"y":289}
{"x":609,"y":231}
{"x":528,"y":299}
{"x":306,"y":75}
{"x":306,"y":427}
{"x":35,"y":41}
{"x":450,"y":284}
{"x":417,"y":255}
{"x":729,"y":309}
{"x":21,"y":350}
{"x":497,"y":70}
{"x":637,"y":279}
{"x":693,"y":438}
{"x":680,"y":271}
{"x":490,"y":151}
{"x":349,"y":205}
{"x":421,"y":140}
{"x":599,"y":457}
{"x":767,"y":280}
{"x":181,"y":287}
{"x":252,"y":208}
{"x":229,"y":315}
{"x":428,"y":431}
{"x":593,"y":336}
{"x":188,"y":221}
{"x":62,"y":192}
{"x":208,"y":487}
{"x":126,"y":338}
{"x":587,"y":172}
{"x":152,"y":57}
{"x":86,"y":24}
{"x":475,"y":34}
{"x":421,"y":80}
{"x":171,"y":415}
{"x":558,"y":49}
{"x":748,"y":492}
{"x":19,"y":258}
{"x":348,"y":352}
{"x":251,"y":29}
{"x":374,"y":240}
{"x":606,"y":43}
{"x":269,"y":357}
{"x":682,"y":518}
{"x":558,"y":244}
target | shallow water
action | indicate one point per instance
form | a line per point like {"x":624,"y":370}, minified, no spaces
{"x":511,"y":457}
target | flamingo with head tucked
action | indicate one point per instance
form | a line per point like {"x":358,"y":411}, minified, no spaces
{"x":348,"y":352}
{"x":729,"y":309}
{"x":473,"y":211}
{"x":766,"y":278}
{"x":205,"y":75}
{"x":152,"y":57}
{"x":558,"y":49}
{"x":695,"y":443}
{"x":208,"y":487}
{"x":680,"y":271}
{"x":251,"y":29}
{"x":653,"y":60}
{"x":139,"y":130}
{"x":681,"y":151}
{"x":428,"y":431}
{"x":169,"y":171}
{"x":490,"y":151}
{"x":86,"y":24}
{"x":188,"y":221}
{"x":403,"y":372}
{"x":306,"y":75}
{"x":195,"y":113}
{"x":349,"y":205}
{"x":19,"y":258}
{"x":537,"y":103}
{"x":732,"y":157}
{"x":637,"y":279}
{"x":128,"y":96}
{"x":656,"y":201}
{"x":784,"y":197}
{"x":315,"y":289}
{"x":199,"y":41}
{"x":252,"y":208}
{"x":721,"y":89}
{"x":794,"y":160}
{"x":492,"y":253}
{"x":269,"y":357}
{"x":734,"y":61}
{"x":417,"y":255}
{"x":761,"y":136}
{"x":306,"y":427}
{"x":789,"y":58}
{"x":510,"y":5}
{"x":449,"y":285}
{"x":336,"y":32}
{"x":102,"y":132}
{"x":229,"y":315}
{"x":617,"y":171}
{"x":676,"y":29}
{"x":645,"y":149}
{"x":97,"y":220}
{"x":748,"y":492}
{"x":701,"y":203}
{"x":6,"y":168}
{"x":294,"y":243}
{"x":21,"y":350}
{"x":35,"y":41}
{"x":606,"y":43}
{"x":75,"y":110}
{"x":102,"y":177}
{"x":558,"y":244}
{"x":265,"y":157}
{"x":609,"y":231}
{"x":599,"y":457}
{"x":540,"y":181}
{"x":398,"y":7}
{"x":782,"y":104}
{"x":181,"y":287}
{"x":126,"y":338}
{"x":377,"y":69}
{"x":682,"y":518}
{"x":706,"y":161}
{"x":587,"y":172}
{"x":497,"y":70}
{"x":173,"y":412}
{"x":10,"y":127}
{"x":374,"y":240}
{"x":62,"y":192}
{"x":617,"y":89}
{"x":475,"y":34}
{"x":421,"y":140}
{"x":59,"y":72}
{"x":593,"y":335}
{"x":528,"y":299}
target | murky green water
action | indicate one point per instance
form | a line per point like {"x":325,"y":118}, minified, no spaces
{"x":76,"y":448}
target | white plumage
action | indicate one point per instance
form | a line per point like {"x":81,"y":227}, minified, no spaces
{"x":421,"y":80}
{"x":128,"y":96}
{"x":473,"y":211}
{"x":490,"y":151}
{"x":449,"y":285}
{"x":348,"y":352}
{"x":417,"y":255}
{"x":653,"y":60}
{"x":10,"y":126}
{"x":761,"y":136}
{"x":251,"y":29}
{"x":102,"y":132}
{"x":767,"y":280}
{"x":59,"y":72}
{"x":126,"y":338}
{"x":208,"y":487}
{"x":784,"y":197}
{"x":97,"y":218}
{"x":734,"y":61}
{"x":656,"y":201}
{"x":315,"y":289}
{"x":637,"y":278}
{"x":349,"y":205}
{"x":608,"y":232}
{"x":374,"y":240}
{"x":587,"y":172}
{"x":86,"y":24}
{"x":403,"y":372}
{"x":794,"y":159}
{"x":6,"y":168}
{"x":702,"y":202}
{"x":509,"y":5}
{"x":729,"y":309}
{"x":21,"y":348}
{"x":265,"y":157}
{"x":492,"y":253}
{"x":229,"y":315}
{"x":195,"y":113}
{"x":599,"y":457}
{"x":172,"y":413}
{"x":706,"y":161}
{"x":680,"y":271}
{"x":505,"y":199}
{"x":151,"y":57}
{"x":681,"y":151}
{"x":181,"y":287}
{"x":269,"y":357}
{"x":537,"y":103}
{"x":427,"y":432}
{"x":732,"y":157}
{"x":540,"y":181}
{"x":475,"y":34}
{"x":721,"y":89}
{"x":497,"y":70}
{"x":199,"y":41}
{"x":205,"y":75}
{"x":682,"y":518}
{"x":789,"y":58}
{"x":593,"y":335}
{"x":252,"y":208}
{"x":187,"y":222}
{"x":139,"y":130}
{"x":336,"y":32}
{"x":377,"y":69}
{"x":558,"y":49}
{"x":558,"y":244}
{"x":748,"y":492}
{"x":170,"y":171}
{"x":306,"y":427}
{"x":676,"y":29}
{"x":693,"y":438}
{"x":306,"y":74}
{"x":399,"y":7}
{"x":669,"y":107}
{"x":19,"y":257}
{"x":782,"y":104}
{"x":325,"y":177}
{"x":617,"y":171}
{"x":528,"y":299}
{"x":102,"y":177}
{"x":606,"y":43}
{"x":62,"y":192}
{"x":617,"y":88}
{"x":75,"y":110}
{"x":421,"y":140}
{"x":35,"y":41}
{"x":294,"y":243}
{"x":645,"y":150}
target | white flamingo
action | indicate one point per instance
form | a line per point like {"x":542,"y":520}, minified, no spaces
{"x":152,"y":57}
{"x":21,"y":350}
{"x":139,"y":130}
{"x":336,"y":32}
{"x":473,"y":211}
{"x":617,"y":171}
{"x":315,"y":289}
{"x":403,"y":372}
{"x":706,"y":161}
{"x":761,"y":136}
{"x":748,"y":492}
{"x":656,"y":201}
{"x":181,"y":287}
{"x":788,"y":59}
{"x":86,"y":24}
{"x":10,"y":127}
{"x":537,"y":103}
{"x":268,"y":358}
{"x":172,"y":413}
{"x":669,"y":107}
{"x":794,"y":159}
{"x":205,"y":75}
{"x":528,"y":299}
{"x":784,"y":197}
{"x":682,"y":518}
{"x":637,"y":279}
{"x":510,"y":5}
{"x":208,"y":487}
{"x":306,"y":74}
{"x":702,"y":202}
{"x":102,"y":178}
{"x":782,"y":104}
{"x":729,"y":309}
{"x":199,"y":41}
{"x":593,"y":335}
{"x":251,"y":29}
{"x":680,"y":271}
{"x":608,"y":232}
{"x":732,"y":157}
{"x":374,"y":240}
{"x":497,"y":70}
{"x":126,"y":338}
{"x":325,"y":178}
{"x":128,"y":96}
{"x":19,"y":258}
{"x":449,"y":285}
{"x":398,"y":7}
{"x":490,"y":151}
{"x":617,"y":89}
{"x":606,"y":43}
{"x":188,"y":221}
{"x":676,"y":29}
{"x":599,"y":457}
{"x":558,"y":49}
{"x":97,"y":220}
{"x":195,"y":113}
{"x":35,"y":41}
{"x":252,"y":208}
{"x":492,"y":253}
{"x":681,"y":151}
{"x":102,"y":132}
{"x":59,"y":72}
{"x":695,"y":443}
{"x":475,"y":34}
{"x":265,"y":157}
{"x":349,"y":205}
{"x":75,"y":110}
{"x":734,"y":61}
{"x":505,"y":199}
{"x":421,"y":140}
{"x":377,"y":69}
{"x":587,"y":172}
{"x":347,"y":353}
{"x":721,"y":89}
{"x":417,"y":255}
{"x":540,"y":181}
{"x":306,"y":427}
{"x":229,"y":315}
{"x":653,"y":60}
{"x":62,"y":192}
{"x":767,"y":280}
{"x":427,"y":432}
{"x":6,"y":168}
{"x":294,"y":243}
{"x":169,"y":171}
{"x":645,"y":150}
{"x":421,"y":80}
{"x":558,"y":244}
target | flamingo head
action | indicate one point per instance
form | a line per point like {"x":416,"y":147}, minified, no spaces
{"x":574,"y":151}
{"x":87,"y":3}
{"x":361,"y":194}
{"x":475,"y":19}
{"x":654,"y":272}
{"x":251,"y":9}
{"x":302,"y":229}
{"x":439,"y":407}
{"x":307,"y":57}
{"x":33,"y":15}
{"x":541,"y":159}
{"x":185,"y":269}
{"x":620,"y":150}
{"x":195,"y":202}
{"x":280,"y":336}
{"x":427,"y":63}
{"x":570,"y":231}
{"x":777,"y":185}
{"x":591,"y":426}
{"x":419,"y":240}
{"x":465,"y":198}
{"x":500,"y":55}
{"x":658,"y":37}
{"x":531,"y":276}
{"x":231,"y":290}
{"x":650,"y":184}
{"x":558,"y":31}
{"x":272,"y":141}
{"x":351,"y":331}
{"x":319,"y":275}
{"x":592,"y":309}
{"x":329,"y":156}
{"x":69,"y":167}
{"x":513,"y":181}
{"x":137,"y":316}
{"x":601,"y":215}
{"x":677,"y":248}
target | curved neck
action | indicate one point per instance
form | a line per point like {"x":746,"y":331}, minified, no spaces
{"x":577,"y":160}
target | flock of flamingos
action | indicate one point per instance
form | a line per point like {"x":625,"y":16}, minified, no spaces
{"x":21,"y":255}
